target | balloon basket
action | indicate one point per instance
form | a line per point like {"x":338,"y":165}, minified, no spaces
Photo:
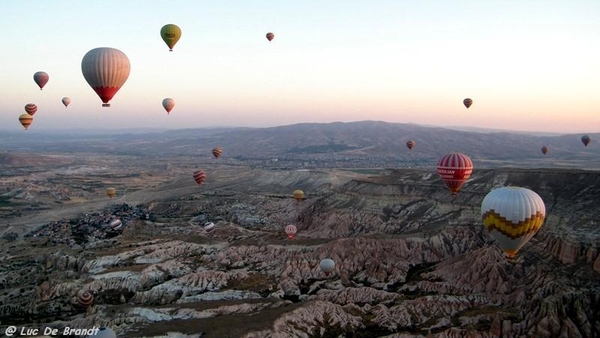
{"x":106,"y":105}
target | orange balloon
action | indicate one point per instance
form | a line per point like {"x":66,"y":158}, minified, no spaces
{"x":26,"y":120}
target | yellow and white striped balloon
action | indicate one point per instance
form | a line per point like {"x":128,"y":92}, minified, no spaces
{"x":512,"y":216}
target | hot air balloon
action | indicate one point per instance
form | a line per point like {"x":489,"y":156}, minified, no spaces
{"x":209,"y":226}
{"x":105,"y":70}
{"x":66,"y":101}
{"x":111,"y":192}
{"x":327,"y":265}
{"x":545,"y":150}
{"x":455,"y":169}
{"x":41,"y":78}
{"x":85,"y":299}
{"x":512,"y":216}
{"x":168,"y":104}
{"x":410,"y":144}
{"x":217,"y":152}
{"x":298,"y":195}
{"x":586,"y":140}
{"x":26,"y":120}
{"x":270,"y":36}
{"x":170,"y":34}
{"x":104,"y":332}
{"x":290,"y":231}
{"x":116,"y":224}
{"x":30,"y":109}
{"x":467,"y":102}
{"x":199,"y":177}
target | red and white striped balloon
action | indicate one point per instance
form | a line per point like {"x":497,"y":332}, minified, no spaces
{"x":455,"y":169}
{"x":85,"y":299}
{"x":30,"y":109}
{"x":199,"y":176}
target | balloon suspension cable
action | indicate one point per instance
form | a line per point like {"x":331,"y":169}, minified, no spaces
{"x":452,"y":200}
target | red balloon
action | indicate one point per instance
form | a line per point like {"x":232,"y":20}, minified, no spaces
{"x":199,"y":177}
{"x":41,"y":78}
{"x":455,"y":169}
{"x":467,"y":102}
{"x":410,"y":144}
{"x":30,"y":109}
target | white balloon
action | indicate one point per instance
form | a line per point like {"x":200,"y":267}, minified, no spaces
{"x":105,"y":69}
{"x":327,"y":265}
{"x":512,"y":216}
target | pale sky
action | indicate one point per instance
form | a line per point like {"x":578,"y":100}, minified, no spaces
{"x":527,"y":65}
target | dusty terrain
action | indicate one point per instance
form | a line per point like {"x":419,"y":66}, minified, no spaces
{"x":410,"y":261}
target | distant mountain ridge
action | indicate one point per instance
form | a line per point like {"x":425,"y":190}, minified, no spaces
{"x":325,"y":141}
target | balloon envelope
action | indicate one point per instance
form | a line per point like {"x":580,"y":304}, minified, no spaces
{"x":410,"y":144}
{"x":209,"y":226}
{"x":298,"y":195}
{"x":545,"y":150}
{"x":217,"y":152}
{"x":327,"y":265}
{"x":199,"y":176}
{"x":85,"y":299}
{"x":26,"y":120}
{"x":66,"y":101}
{"x":30,"y":109}
{"x":170,"y":34}
{"x":105,"y":69}
{"x":116,"y":224}
{"x":455,"y":169}
{"x":41,"y":78}
{"x":585,"y":139}
{"x":512,"y":216}
{"x":467,"y":102}
{"x":111,"y":192}
{"x":290,"y":231}
{"x":168,"y":104}
{"x":270,"y":36}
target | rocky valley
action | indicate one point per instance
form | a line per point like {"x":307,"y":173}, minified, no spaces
{"x":410,"y":260}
